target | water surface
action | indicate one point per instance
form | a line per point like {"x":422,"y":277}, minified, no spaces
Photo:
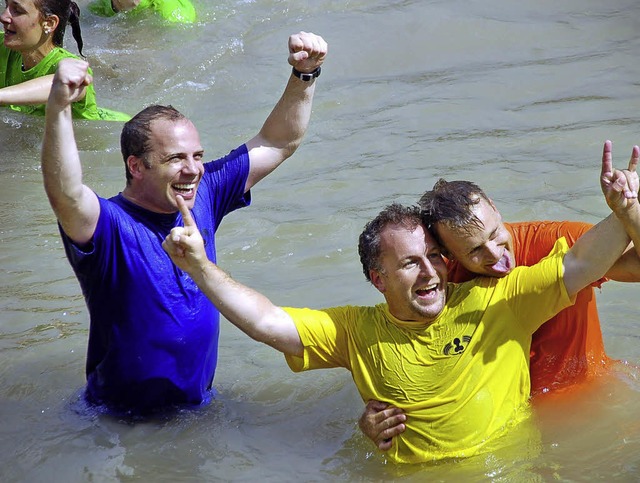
{"x":517,"y":96}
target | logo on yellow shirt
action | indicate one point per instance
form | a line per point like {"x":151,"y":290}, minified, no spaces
{"x":457,"y":346}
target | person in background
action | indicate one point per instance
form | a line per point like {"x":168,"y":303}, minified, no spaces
{"x":175,"y":11}
{"x":153,"y":335}
{"x":565,"y":351}
{"x":30,"y":52}
{"x":455,"y":357}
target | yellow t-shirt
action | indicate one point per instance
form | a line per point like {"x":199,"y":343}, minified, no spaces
{"x":463,"y":379}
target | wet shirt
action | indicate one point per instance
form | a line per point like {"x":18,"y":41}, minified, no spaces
{"x":11,"y":74}
{"x":153,"y":338}
{"x":177,"y":11}
{"x":463,"y":380}
{"x":569,"y":347}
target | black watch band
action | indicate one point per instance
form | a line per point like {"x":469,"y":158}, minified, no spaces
{"x":307,"y":76}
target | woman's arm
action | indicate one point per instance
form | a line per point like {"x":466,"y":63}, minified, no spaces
{"x":34,"y":91}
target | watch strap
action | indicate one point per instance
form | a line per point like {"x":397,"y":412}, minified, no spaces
{"x":306,"y":76}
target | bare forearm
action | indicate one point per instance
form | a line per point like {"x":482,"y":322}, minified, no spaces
{"x":283,"y":131}
{"x":34,"y":91}
{"x":60,"y":160}
{"x":74,"y":204}
{"x":247,"y":309}
{"x":630,"y":219}
{"x":627,"y":267}
{"x":594,"y":253}
{"x":286,"y":125}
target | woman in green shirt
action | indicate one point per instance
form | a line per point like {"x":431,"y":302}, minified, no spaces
{"x":175,"y":11}
{"x":29,"y":54}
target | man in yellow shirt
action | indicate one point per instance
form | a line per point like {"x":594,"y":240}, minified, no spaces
{"x":453,"y":356}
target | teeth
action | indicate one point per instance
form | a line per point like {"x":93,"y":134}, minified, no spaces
{"x":189,"y":186}
{"x":428,"y":287}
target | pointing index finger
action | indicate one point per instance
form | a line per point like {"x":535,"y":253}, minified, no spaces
{"x":633,"y":162}
{"x":185,"y":212}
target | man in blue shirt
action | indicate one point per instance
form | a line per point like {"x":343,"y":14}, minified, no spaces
{"x":153,"y":335}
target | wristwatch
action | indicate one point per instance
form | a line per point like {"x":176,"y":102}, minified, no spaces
{"x":307,"y":76}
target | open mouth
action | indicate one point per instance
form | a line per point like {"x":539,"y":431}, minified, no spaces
{"x":184,"y":189}
{"x":428,"y":291}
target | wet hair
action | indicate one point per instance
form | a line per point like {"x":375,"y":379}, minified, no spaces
{"x":369,"y":243}
{"x":451,"y":203}
{"x":67,"y":11}
{"x":134,"y":139}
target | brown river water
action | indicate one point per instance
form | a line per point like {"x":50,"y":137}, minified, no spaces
{"x":516,"y":96}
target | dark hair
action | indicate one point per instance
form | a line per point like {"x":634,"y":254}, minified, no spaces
{"x":451,"y":203}
{"x":134,"y":139}
{"x":369,"y":247}
{"x":66,"y":11}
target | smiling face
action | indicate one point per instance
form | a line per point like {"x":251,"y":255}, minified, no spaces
{"x":24,"y":27}
{"x":173,"y":166}
{"x":486,"y":249}
{"x":412,"y":275}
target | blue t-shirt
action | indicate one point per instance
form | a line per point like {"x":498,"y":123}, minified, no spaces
{"x":153,"y":336}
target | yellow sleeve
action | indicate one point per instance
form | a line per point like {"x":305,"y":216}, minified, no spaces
{"x":323,"y":336}
{"x":537,"y":293}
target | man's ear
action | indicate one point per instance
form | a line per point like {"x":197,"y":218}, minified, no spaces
{"x":377,"y":280}
{"x":136,"y":166}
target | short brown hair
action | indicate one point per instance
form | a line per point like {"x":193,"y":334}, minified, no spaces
{"x":451,"y":203}
{"x":369,"y":243}
{"x":134,"y":139}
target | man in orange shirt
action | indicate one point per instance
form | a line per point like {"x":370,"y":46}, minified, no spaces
{"x":566,"y":350}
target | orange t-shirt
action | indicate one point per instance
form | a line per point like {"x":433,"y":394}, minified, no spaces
{"x":568,"y":348}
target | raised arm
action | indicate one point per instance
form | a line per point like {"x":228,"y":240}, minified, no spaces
{"x":285,"y":127}
{"x":250,"y":311}
{"x":627,"y":212}
{"x":597,"y":250}
{"x":75,"y":205}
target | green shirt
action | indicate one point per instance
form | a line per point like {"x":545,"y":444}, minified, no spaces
{"x":11,"y":74}
{"x":178,"y":11}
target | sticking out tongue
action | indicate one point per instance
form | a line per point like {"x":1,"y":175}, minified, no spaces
{"x":502,"y":265}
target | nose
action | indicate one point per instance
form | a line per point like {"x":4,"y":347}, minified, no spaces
{"x":190,"y":165}
{"x":4,"y":17}
{"x":427,"y":270}
{"x":494,"y":250}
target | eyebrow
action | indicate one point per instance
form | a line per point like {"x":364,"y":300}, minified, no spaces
{"x":491,"y":235}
